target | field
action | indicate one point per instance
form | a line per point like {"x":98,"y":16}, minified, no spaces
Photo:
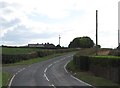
{"x":16,"y":54}
{"x":6,"y":50}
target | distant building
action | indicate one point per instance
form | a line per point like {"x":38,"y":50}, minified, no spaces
{"x":46,"y":45}
{"x":49,"y":45}
{"x":36,"y":45}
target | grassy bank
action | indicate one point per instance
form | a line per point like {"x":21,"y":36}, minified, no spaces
{"x":90,"y":78}
{"x":0,"y":79}
{"x":5,"y":78}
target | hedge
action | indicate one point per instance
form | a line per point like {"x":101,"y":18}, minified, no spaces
{"x":105,"y":66}
{"x":12,"y":58}
{"x":82,"y":62}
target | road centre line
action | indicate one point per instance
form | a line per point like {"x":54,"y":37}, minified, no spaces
{"x":45,"y":70}
{"x":53,"y":86}
{"x":46,"y":77}
{"x":49,"y":65}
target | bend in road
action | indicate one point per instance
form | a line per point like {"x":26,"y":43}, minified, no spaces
{"x":47,"y":73}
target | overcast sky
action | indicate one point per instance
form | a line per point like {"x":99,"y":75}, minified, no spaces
{"x":42,"y":21}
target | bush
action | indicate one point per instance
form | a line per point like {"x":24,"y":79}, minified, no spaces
{"x":105,"y":61}
{"x":115,"y":52}
{"x":6,"y":58}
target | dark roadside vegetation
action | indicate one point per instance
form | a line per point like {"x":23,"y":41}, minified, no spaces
{"x":16,"y":54}
{"x":101,"y":71}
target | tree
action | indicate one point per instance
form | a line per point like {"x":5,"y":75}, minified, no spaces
{"x":81,"y":42}
{"x":58,"y":46}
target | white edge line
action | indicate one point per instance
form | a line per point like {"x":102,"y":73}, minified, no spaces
{"x":75,"y":77}
{"x":55,"y":62}
{"x":80,"y":80}
{"x":65,"y":66}
{"x":11,"y":81}
{"x":9,"y":85}
{"x":16,"y":73}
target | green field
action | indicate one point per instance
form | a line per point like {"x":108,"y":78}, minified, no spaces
{"x":107,"y":57}
{"x":0,"y":79}
{"x":6,"y":50}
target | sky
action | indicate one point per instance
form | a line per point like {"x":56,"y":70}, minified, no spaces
{"x":25,"y":22}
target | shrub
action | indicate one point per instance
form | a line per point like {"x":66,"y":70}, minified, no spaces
{"x":114,"y":52}
{"x":82,"y":62}
{"x":104,"y":66}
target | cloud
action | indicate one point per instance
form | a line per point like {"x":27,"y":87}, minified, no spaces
{"x":6,"y":24}
{"x":3,"y":4}
{"x":21,"y":34}
{"x":43,"y":20}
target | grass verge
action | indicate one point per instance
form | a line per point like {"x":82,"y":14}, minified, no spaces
{"x":5,"y":78}
{"x":0,"y":79}
{"x":89,"y":78}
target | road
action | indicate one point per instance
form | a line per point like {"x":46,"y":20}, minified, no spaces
{"x":47,"y":73}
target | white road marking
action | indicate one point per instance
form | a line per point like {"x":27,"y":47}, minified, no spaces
{"x":9,"y":85}
{"x":23,"y":68}
{"x":29,"y":65}
{"x":50,"y":65}
{"x":80,"y":80}
{"x":53,"y":85}
{"x":19,"y":71}
{"x":65,"y":66}
{"x":45,"y":70}
{"x":16,"y":73}
{"x":62,"y":59}
{"x":69,"y":56}
{"x":46,"y":77}
{"x":11,"y":81}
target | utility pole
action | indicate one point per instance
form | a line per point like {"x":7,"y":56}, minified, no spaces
{"x":119,"y":25}
{"x":118,"y":37}
{"x":59,"y":39}
{"x":96,"y":32}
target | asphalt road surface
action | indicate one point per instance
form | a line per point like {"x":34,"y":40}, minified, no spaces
{"x":50,"y":73}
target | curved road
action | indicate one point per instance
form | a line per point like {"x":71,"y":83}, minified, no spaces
{"x":47,"y":73}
